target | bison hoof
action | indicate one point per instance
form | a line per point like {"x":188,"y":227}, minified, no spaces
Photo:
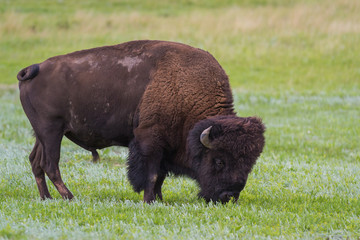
{"x":149,"y":198}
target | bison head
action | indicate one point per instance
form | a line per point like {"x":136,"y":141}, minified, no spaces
{"x":223,"y":150}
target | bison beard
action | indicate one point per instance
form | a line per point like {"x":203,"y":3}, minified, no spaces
{"x":171,"y":104}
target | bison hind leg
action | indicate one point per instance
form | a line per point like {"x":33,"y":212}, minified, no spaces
{"x":95,"y":155}
{"x":136,"y":169}
{"x":35,"y":158}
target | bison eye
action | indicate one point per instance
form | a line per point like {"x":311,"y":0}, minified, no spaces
{"x":219,"y":163}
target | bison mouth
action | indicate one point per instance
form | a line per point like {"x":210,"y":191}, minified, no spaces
{"x":229,"y":192}
{"x":223,"y":197}
{"x":226,"y":196}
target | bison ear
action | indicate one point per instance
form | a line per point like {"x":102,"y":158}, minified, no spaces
{"x":205,"y":138}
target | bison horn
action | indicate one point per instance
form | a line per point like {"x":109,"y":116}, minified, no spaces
{"x":204,"y":138}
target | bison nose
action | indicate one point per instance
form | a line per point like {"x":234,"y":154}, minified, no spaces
{"x":227,"y":195}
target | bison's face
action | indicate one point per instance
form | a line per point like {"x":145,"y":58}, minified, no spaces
{"x":220,"y":176}
{"x":223,"y":154}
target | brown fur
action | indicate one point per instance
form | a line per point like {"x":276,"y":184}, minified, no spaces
{"x":154,"y":97}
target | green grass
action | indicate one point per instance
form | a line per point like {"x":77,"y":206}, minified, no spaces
{"x":305,"y":185}
{"x":293,"y":63}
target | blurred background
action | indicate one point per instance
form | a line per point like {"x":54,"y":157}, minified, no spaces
{"x":267,"y":46}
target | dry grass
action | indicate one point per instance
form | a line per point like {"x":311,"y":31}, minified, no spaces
{"x":252,"y":38}
{"x":8,"y":86}
{"x":320,"y":18}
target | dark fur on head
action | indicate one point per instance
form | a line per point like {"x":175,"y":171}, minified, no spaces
{"x":236,"y":144}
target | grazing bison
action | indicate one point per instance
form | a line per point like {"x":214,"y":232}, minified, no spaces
{"x":170,"y":103}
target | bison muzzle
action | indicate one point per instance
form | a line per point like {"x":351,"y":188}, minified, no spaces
{"x":170,"y":103}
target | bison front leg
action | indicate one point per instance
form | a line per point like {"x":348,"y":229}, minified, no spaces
{"x":158,"y":185}
{"x":150,"y":191}
{"x":144,"y":169}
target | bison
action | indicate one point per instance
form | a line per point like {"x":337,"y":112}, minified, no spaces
{"x":169,"y":103}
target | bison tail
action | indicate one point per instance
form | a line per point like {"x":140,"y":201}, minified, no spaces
{"x":28,"y":73}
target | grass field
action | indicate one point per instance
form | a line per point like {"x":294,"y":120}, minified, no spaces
{"x":294,"y":63}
